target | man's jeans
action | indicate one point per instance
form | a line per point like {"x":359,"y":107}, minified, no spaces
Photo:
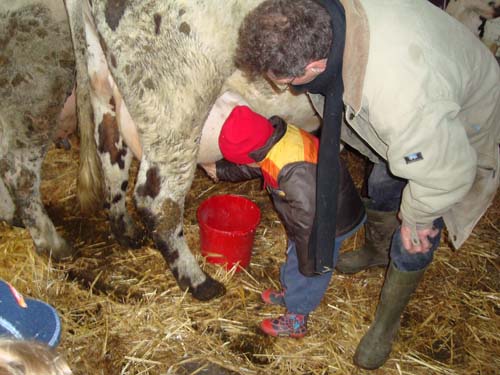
{"x":303,"y":294}
{"x":385,"y":192}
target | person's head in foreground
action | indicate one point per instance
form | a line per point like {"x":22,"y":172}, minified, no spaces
{"x":22,"y":357}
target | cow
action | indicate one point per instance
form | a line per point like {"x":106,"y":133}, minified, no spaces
{"x":38,"y":58}
{"x":473,"y":13}
{"x":37,"y":71}
{"x":155,"y":69}
{"x":482,"y":17}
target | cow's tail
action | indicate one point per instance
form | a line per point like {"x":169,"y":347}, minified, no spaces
{"x":90,"y":181}
{"x":90,"y":177}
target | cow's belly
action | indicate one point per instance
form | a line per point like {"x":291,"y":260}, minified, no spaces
{"x":209,"y":147}
{"x":209,"y":151}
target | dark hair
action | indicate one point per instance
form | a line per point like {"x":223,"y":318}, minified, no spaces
{"x":283,"y":36}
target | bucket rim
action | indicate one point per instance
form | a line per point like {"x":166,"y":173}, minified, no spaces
{"x":253,"y":227}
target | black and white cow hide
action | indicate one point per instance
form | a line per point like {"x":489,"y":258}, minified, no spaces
{"x":37,"y":71}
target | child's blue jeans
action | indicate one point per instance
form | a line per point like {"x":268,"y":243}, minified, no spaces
{"x":303,"y":294}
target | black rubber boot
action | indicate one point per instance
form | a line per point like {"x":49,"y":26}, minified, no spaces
{"x":379,"y":228}
{"x":375,"y":346}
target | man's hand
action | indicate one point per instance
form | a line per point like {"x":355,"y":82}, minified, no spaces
{"x":417,"y":242}
{"x":211,"y":171}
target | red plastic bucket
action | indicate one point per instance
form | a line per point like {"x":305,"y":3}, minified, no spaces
{"x":227,"y":229}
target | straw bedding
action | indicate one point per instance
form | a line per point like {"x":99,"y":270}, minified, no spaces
{"x":122,"y":312}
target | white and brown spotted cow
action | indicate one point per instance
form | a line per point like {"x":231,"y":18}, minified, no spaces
{"x":168,"y":61}
{"x":473,"y":13}
{"x":36,"y":75}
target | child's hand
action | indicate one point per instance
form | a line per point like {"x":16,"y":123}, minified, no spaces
{"x":211,"y":171}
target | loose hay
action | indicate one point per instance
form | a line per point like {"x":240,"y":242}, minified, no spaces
{"x":123,"y":313}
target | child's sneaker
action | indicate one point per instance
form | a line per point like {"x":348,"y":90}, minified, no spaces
{"x":288,"y":325}
{"x":273,"y":297}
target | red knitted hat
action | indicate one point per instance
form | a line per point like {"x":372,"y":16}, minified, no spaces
{"x":243,"y":131}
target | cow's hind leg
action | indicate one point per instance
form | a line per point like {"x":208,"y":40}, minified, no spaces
{"x":21,"y":174}
{"x":116,"y":159}
{"x":168,"y":95}
{"x":114,"y":154}
{"x":163,"y":214}
{"x":36,"y":75}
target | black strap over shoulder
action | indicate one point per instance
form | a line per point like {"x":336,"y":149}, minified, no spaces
{"x":330,"y":84}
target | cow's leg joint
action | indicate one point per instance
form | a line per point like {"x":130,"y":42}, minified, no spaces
{"x":166,"y":229}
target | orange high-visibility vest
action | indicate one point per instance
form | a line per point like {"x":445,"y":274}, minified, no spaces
{"x":296,"y":145}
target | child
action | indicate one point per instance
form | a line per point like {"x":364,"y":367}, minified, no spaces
{"x":29,"y":330}
{"x":286,"y":157}
{"x":21,"y":357}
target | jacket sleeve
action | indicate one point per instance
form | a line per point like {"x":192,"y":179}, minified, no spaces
{"x":227,"y":171}
{"x":300,"y":199}
{"x":433,"y":153}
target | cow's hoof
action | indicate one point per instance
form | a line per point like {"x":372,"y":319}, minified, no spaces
{"x":127,"y":233}
{"x":63,"y":251}
{"x":18,"y":223}
{"x":134,"y":242}
{"x":208,"y":290}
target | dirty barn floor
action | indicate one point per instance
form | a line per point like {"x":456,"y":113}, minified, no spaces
{"x":122,"y":312}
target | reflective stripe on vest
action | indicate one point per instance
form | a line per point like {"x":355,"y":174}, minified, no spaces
{"x":296,"y":145}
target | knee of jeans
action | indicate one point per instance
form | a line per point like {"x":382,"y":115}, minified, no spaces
{"x":385,"y":189}
{"x":405,"y":261}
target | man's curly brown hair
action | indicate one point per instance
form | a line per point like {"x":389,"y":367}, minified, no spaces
{"x":283,"y":36}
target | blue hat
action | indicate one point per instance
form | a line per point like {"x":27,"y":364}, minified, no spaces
{"x":27,"y":318}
